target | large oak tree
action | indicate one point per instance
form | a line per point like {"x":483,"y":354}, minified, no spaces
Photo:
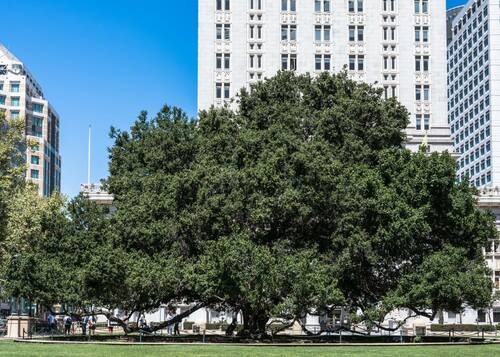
{"x":300,"y":201}
{"x":305,"y":167}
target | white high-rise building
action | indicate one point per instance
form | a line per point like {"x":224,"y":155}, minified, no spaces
{"x":22,"y":97}
{"x":399,"y":44}
{"x":473,"y":80}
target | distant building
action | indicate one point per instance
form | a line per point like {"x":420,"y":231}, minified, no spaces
{"x":22,"y":97}
{"x":473,"y":91}
{"x":450,"y":16}
{"x":96,"y":193}
{"x":400,"y":45}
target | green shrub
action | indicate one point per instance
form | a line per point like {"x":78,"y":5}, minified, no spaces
{"x":463,"y":328}
{"x":277,"y":327}
{"x":214,"y":326}
{"x":224,"y":327}
{"x":188,"y":325}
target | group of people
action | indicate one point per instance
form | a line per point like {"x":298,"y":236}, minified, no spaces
{"x":172,"y":329}
{"x":88,"y":323}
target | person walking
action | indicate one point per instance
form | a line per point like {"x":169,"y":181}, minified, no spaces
{"x":84,"y":323}
{"x":52,"y":321}
{"x":170,"y":327}
{"x":176,"y":324}
{"x":110,"y":327}
{"x":68,"y":321}
{"x":92,"y":325}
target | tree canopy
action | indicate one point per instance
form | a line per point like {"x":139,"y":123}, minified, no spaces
{"x":301,"y":201}
{"x":12,"y":171}
{"x":308,"y":181}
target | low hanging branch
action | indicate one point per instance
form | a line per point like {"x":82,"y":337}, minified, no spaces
{"x":131,"y":329}
{"x":127,"y":328}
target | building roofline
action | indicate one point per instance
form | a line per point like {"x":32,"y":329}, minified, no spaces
{"x":455,"y":8}
{"x":462,"y":12}
{"x":9,"y":54}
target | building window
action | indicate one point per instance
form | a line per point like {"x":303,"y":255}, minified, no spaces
{"x":1,"y":86}
{"x":222,"y":90}
{"x":422,"y":92}
{"x":2,"y":100}
{"x":356,"y":62}
{"x":289,"y":62}
{"x":356,"y":33}
{"x":255,"y":61}
{"x":422,"y":63}
{"x":37,"y":127}
{"x":422,"y":34}
{"x":256,"y":32}
{"x":421,"y":7}
{"x":322,"y":5}
{"x":289,"y":5}
{"x":14,"y":101}
{"x":389,"y":33}
{"x":14,"y":87}
{"x":355,"y":5}
{"x":289,"y":32}
{"x":35,"y":160}
{"x":14,"y":114}
{"x":389,"y":5}
{"x":322,"y":33}
{"x":427,"y":121}
{"x":37,"y":108}
{"x":327,"y":62}
{"x":223,"y":32}
{"x":222,"y":61}
{"x":418,"y":122}
{"x":223,"y":5}
{"x":35,"y":174}
{"x":256,"y":4}
{"x":361,"y":33}
{"x":323,"y":62}
{"x":389,"y":63}
{"x":390,"y":91}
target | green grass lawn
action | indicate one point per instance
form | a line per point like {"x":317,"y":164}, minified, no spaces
{"x":36,"y":350}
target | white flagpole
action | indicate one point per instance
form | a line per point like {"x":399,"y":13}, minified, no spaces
{"x":88,"y":168}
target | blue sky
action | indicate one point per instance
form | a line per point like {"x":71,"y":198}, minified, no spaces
{"x":101,"y":62}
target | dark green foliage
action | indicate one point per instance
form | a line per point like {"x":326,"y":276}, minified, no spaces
{"x":301,"y":202}
{"x":12,"y":174}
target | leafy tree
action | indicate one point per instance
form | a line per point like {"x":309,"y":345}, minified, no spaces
{"x":31,"y":266}
{"x":50,"y":247}
{"x":12,"y":144}
{"x":307,"y":167}
{"x":302,"y":201}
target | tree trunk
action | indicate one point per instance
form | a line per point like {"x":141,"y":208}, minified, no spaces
{"x":441,"y":317}
{"x":234,"y":323}
{"x":254,"y":324}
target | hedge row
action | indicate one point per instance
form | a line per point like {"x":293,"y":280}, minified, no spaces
{"x":464,"y":328}
{"x":188,"y":325}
